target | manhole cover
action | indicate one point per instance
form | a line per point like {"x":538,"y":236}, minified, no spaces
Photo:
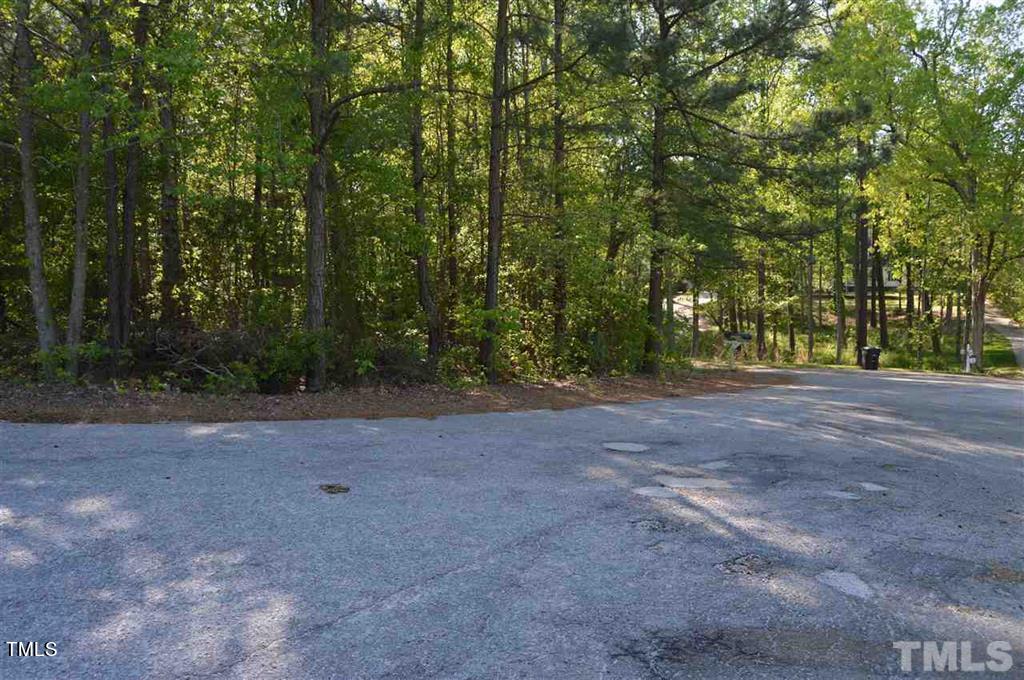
{"x":749,"y":565}
{"x":626,"y":447}
{"x":334,"y":488}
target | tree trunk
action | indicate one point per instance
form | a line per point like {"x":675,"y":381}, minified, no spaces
{"x":258,"y":265}
{"x":76,"y":310}
{"x":981,"y":261}
{"x":495,"y":198}
{"x":933,"y":325}
{"x":839,"y":284}
{"x":910,"y":296}
{"x":761,"y":284}
{"x":452,"y":240}
{"x":559,"y":292}
{"x":861,"y":259}
{"x":316,"y":189}
{"x":959,"y":327}
{"x":111,"y":189}
{"x":883,"y":316}
{"x":695,"y":332}
{"x":426,"y":293}
{"x":25,"y":62}
{"x":132,"y":171}
{"x":652,"y":343}
{"x":172,"y":272}
{"x":791,"y":329}
{"x":810,"y":302}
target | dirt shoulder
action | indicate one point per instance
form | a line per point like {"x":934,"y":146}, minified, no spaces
{"x":68,"y":404}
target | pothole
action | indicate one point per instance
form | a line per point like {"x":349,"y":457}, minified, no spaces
{"x":334,"y":488}
{"x":655,"y":525}
{"x":626,"y":447}
{"x":750,"y":564}
{"x":871,"y":486}
{"x":691,"y":482}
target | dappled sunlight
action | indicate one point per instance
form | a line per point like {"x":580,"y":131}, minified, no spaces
{"x":118,"y":630}
{"x":269,"y":621}
{"x":203,"y":430}
{"x":14,"y":555}
{"x":140,"y":561}
{"x":507,"y":523}
{"x":90,"y":505}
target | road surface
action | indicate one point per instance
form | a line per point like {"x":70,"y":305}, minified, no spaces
{"x":830,"y":518}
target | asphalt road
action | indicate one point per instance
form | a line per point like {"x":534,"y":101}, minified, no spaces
{"x":514,"y":545}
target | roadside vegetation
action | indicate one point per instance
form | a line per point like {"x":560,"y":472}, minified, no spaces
{"x":274,"y":197}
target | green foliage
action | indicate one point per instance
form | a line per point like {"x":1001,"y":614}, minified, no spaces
{"x":764,"y":105}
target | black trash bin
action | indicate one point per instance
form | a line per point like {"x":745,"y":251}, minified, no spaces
{"x":869,"y":358}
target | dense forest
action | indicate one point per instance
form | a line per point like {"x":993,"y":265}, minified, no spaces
{"x":278,"y":194}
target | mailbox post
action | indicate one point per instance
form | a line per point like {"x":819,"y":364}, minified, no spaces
{"x":969,"y":358}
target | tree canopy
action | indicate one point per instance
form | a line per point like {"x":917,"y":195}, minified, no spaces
{"x":268,"y":194}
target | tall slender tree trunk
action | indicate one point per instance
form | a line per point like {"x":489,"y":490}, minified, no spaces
{"x":111,"y":189}
{"x":25,"y":62}
{"x":910,"y":295}
{"x":172,"y":271}
{"x":425,"y":288}
{"x":258,"y":264}
{"x":652,"y":343}
{"x":316,"y":189}
{"x":883,"y":316}
{"x":981,"y":259}
{"x":821,"y":295}
{"x":495,"y":197}
{"x":933,"y":325}
{"x":959,"y":327}
{"x":132,"y":171}
{"x":560,"y":288}
{"x":838,"y":281}
{"x":861,"y":260}
{"x":809,"y":279}
{"x":695,"y":324}
{"x":791,"y":324}
{"x":452,"y":240}
{"x":761,"y":302}
{"x":76,"y":310}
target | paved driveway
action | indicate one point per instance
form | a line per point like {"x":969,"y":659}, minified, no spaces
{"x":995,"y":320}
{"x":515,"y":545}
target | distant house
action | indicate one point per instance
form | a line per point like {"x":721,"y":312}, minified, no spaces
{"x":889,"y":282}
